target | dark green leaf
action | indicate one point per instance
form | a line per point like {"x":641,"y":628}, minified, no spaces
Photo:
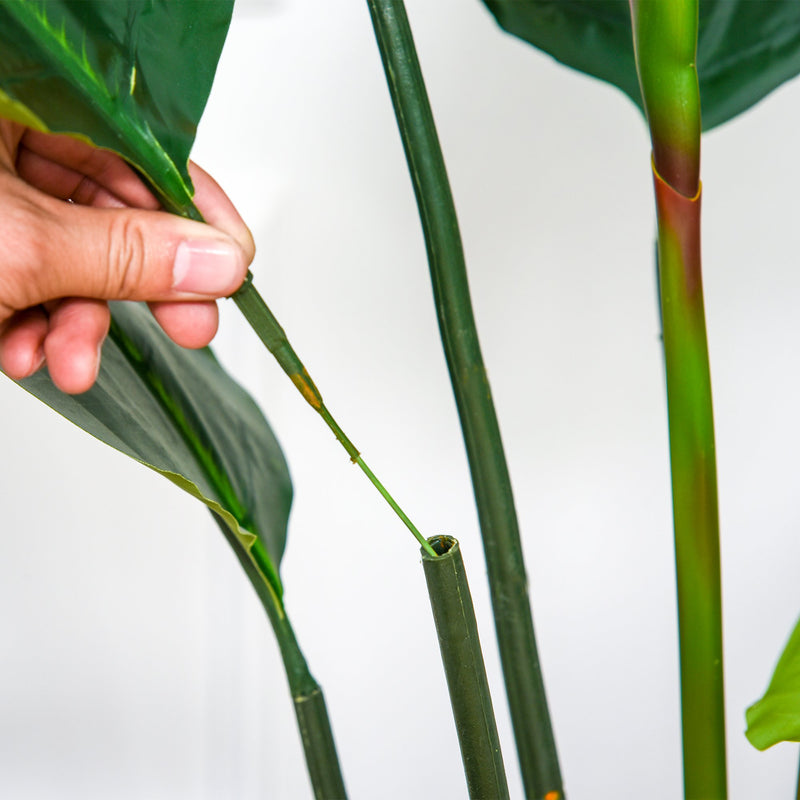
{"x":745,"y":49}
{"x":131,"y":76}
{"x":776,"y":716}
{"x":178,"y":412}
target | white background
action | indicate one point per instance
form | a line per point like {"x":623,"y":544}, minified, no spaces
{"x":135,"y":661}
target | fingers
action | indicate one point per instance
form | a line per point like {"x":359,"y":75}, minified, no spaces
{"x":191,"y":325}
{"x":110,"y":243}
{"x":65,"y":183}
{"x":64,"y":250}
{"x":68,"y":339}
{"x":72,"y":345}
{"x":68,"y":168}
{"x":22,"y":343}
{"x":70,"y":336}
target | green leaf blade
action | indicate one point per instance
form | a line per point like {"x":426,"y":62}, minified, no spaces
{"x":132,"y":77}
{"x":210,"y":438}
{"x":776,"y":716}
{"x":745,"y":49}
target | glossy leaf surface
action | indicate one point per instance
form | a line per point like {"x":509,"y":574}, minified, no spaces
{"x":776,"y":716}
{"x":129,"y":76}
{"x":178,"y":412}
{"x":745,"y":49}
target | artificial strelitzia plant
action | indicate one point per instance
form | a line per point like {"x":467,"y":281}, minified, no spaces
{"x":105,"y":72}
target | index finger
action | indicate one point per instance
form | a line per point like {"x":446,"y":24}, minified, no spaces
{"x":61,"y":165}
{"x":218,"y":210}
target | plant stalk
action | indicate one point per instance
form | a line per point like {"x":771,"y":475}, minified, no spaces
{"x":694,"y":495}
{"x":309,"y":703}
{"x":491,"y":483}
{"x":462,"y":659}
{"x":665,"y":43}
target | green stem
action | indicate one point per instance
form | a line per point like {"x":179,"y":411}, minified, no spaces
{"x":665,"y":41}
{"x":490,"y":478}
{"x":694,"y":495}
{"x":665,"y":44}
{"x":309,"y":703}
{"x":266,"y":326}
{"x":464,"y":669}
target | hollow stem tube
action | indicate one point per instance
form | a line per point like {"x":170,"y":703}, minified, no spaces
{"x":457,"y":629}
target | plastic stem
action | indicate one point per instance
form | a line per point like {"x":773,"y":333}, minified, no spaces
{"x":694,"y":495}
{"x":665,"y":43}
{"x":309,"y":703}
{"x":464,"y":669}
{"x":490,"y":479}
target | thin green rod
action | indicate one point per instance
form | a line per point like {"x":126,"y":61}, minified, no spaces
{"x":491,"y":483}
{"x":399,"y":511}
{"x":266,"y":326}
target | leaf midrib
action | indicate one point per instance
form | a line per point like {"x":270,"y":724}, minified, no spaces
{"x":205,"y":455}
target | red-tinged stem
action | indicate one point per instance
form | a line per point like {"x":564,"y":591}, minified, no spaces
{"x":694,"y":490}
{"x":665,"y":44}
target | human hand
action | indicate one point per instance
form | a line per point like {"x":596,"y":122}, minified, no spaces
{"x":79,"y":228}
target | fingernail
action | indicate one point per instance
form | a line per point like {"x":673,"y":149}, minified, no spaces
{"x":206,"y":266}
{"x":37,"y":362}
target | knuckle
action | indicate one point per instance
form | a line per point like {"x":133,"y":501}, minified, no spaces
{"x":127,"y":256}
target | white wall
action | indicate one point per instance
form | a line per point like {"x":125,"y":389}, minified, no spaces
{"x":135,"y":661}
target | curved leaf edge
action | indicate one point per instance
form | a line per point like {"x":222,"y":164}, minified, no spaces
{"x":148,"y":157}
{"x":759,"y":65}
{"x":219,"y":480}
{"x":775,"y":717}
{"x":247,"y":539}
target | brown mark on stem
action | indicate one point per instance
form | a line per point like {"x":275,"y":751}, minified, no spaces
{"x":306,"y":388}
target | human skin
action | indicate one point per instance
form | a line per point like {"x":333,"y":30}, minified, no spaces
{"x":79,"y":228}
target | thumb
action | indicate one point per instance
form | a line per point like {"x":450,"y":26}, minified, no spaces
{"x":65,"y":250}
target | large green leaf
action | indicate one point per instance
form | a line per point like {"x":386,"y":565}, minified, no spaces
{"x":776,"y":716}
{"x":745,"y":49}
{"x":132,"y":76}
{"x":178,"y":412}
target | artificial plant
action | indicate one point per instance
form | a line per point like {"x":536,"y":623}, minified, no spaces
{"x":617,"y":11}
{"x":55,"y":82}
